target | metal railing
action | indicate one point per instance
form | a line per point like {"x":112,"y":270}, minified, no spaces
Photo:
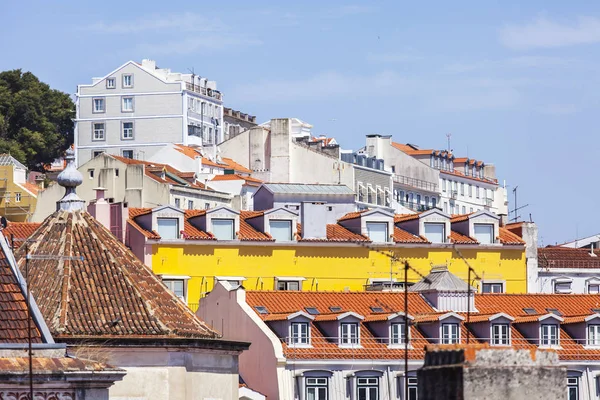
{"x":416,"y":183}
{"x":203,"y":91}
{"x":412,"y":205}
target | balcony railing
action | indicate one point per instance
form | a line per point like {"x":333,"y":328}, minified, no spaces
{"x":412,"y":205}
{"x":416,"y":183}
{"x":204,"y":91}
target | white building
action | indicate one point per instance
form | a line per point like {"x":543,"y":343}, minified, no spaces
{"x":137,"y":108}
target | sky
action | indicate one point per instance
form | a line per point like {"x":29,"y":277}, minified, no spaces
{"x":515,"y":83}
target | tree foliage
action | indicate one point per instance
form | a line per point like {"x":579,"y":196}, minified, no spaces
{"x":36,"y":123}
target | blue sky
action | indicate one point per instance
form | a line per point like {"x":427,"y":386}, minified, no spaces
{"x":515,"y":83}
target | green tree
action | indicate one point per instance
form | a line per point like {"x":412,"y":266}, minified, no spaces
{"x":36,"y":123}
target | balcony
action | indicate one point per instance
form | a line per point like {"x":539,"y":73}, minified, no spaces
{"x":412,"y":205}
{"x":415,"y":183}
{"x":204,"y":91}
{"x":454,"y":194}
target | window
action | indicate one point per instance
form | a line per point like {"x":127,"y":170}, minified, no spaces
{"x":281,"y":230}
{"x":412,"y":388}
{"x":446,"y":207}
{"x":431,"y":161}
{"x":176,"y":286}
{"x":450,"y":334}
{"x":418,"y":199}
{"x":127,"y":132}
{"x":299,"y":333}
{"x":492,"y":288}
{"x":98,"y":131}
{"x":223,"y":229}
{"x":562,"y":286}
{"x":288,"y":285}
{"x":190,"y":204}
{"x":127,"y":153}
{"x":456,"y":209}
{"x":349,"y":333}
{"x":316,"y":388}
{"x":127,"y":80}
{"x":500,"y":335}
{"x":111,"y":83}
{"x":484,"y":233}
{"x":470,"y":209}
{"x":549,"y":335}
{"x":470,"y":190}
{"x":377,"y":231}
{"x":91,"y":173}
{"x":98,"y":105}
{"x":433,"y":202}
{"x":427,"y":200}
{"x":168,"y":228}
{"x":593,"y":288}
{"x":593,"y":338}
{"x":177,"y":203}
{"x":462,"y":188}
{"x":18,"y":197}
{"x":443,"y":185}
{"x":367,"y":388}
{"x":117,"y":172}
{"x":464,"y":209}
{"x":477,"y":191}
{"x":435,"y":232}
{"x":573,"y":388}
{"x":127,"y":104}
{"x":397,"y":333}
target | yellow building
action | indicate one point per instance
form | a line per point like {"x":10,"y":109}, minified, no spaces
{"x":270,"y":250}
{"x":17,"y":196}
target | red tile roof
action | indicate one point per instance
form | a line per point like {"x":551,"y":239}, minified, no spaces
{"x":462,"y":175}
{"x":459,"y":238}
{"x":13,"y":308}
{"x":410,"y":151}
{"x":566,"y":257}
{"x":460,"y":217}
{"x":227,"y":163}
{"x":406,"y":217}
{"x":335,"y":233}
{"x":31,"y":187}
{"x":108,"y":293}
{"x":507,"y":237}
{"x":248,"y":233}
{"x":352,"y":215}
{"x":402,"y":236}
{"x":153,"y":170}
{"x":19,"y":231}
{"x":54,"y":366}
{"x":236,"y":177}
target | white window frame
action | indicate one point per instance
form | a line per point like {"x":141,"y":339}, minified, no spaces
{"x":317,"y":384}
{"x":450,"y":333}
{"x":365,"y":383}
{"x":291,"y":229}
{"x":130,"y":131}
{"x":346,"y":335}
{"x":556,"y":283}
{"x":444,"y":233}
{"x":230,"y":221}
{"x":546,"y":337}
{"x":102,"y":130}
{"x":127,"y":110}
{"x":285,"y":282}
{"x":169,"y":283}
{"x":114,"y":83}
{"x":488,"y":226}
{"x":300,"y":337}
{"x":18,"y":197}
{"x":378,"y":223}
{"x":178,"y":228}
{"x":94,"y":109}
{"x":593,"y":340}
{"x":493,"y":283}
{"x":132,"y":153}
{"x":397,"y":338}
{"x":123,"y":84}
{"x":573,"y":383}
{"x":502,"y":337}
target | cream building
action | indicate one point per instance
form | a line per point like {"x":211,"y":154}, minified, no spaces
{"x":137,"y":108}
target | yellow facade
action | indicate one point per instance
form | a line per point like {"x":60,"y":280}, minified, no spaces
{"x":327,"y":267}
{"x":17,"y":203}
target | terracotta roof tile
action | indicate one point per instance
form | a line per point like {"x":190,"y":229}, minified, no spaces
{"x":335,"y":233}
{"x":507,"y":237}
{"x":459,"y":238}
{"x":236,"y":177}
{"x":31,"y":187}
{"x":55,"y":366}
{"x":410,"y":151}
{"x":402,"y":236}
{"x":236,"y":166}
{"x":108,"y":292}
{"x":19,"y":231}
{"x":406,"y":217}
{"x":248,"y":233}
{"x":352,"y":215}
{"x":460,"y":217}
{"x":227,"y":163}
{"x":13,"y":307}
{"x":153,"y":170}
{"x":458,"y":173}
{"x":566,"y":257}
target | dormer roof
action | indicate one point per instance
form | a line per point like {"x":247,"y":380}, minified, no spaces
{"x":440,"y":279}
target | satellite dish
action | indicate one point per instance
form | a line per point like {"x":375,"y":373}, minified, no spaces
{"x":3,"y":223}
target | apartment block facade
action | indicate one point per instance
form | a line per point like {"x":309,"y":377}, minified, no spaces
{"x":137,"y":108}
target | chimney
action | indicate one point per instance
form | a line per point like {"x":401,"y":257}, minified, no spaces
{"x":313,"y":217}
{"x":149,"y":64}
{"x":100,"y":208}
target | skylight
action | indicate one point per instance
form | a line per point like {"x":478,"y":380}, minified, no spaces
{"x":312,"y":310}
{"x":377,"y":309}
{"x":554,"y":311}
{"x":596,"y":310}
{"x":529,"y":311}
{"x":335,"y":309}
{"x":261,"y":309}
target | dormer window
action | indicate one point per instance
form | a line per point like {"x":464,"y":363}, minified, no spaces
{"x":299,"y":333}
{"x":281,"y":230}
{"x":223,"y":229}
{"x":349,"y":333}
{"x":549,"y":335}
{"x":435,"y":232}
{"x":484,"y":233}
{"x":397,"y":333}
{"x":562,"y":285}
{"x":593,"y":335}
{"x":500,"y":335}
{"x":168,"y":228}
{"x":378,"y":231}
{"x":450,"y":334}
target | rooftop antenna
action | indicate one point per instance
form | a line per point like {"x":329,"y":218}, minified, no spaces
{"x":193,"y":79}
{"x":516,"y":217}
{"x":448,"y":136}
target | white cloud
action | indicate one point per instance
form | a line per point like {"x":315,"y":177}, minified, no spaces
{"x":544,"y":33}
{"x":186,"y":22}
{"x":194,"y":44}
